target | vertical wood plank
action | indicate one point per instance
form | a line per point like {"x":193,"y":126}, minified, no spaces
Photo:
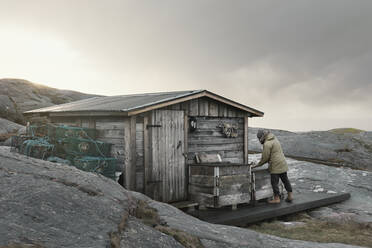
{"x":92,"y":123}
{"x":146,"y":155}
{"x":222,"y":110}
{"x":160,"y":176}
{"x":176,"y":106}
{"x":139,"y":155}
{"x":126,"y":143}
{"x":185,"y":152}
{"x":203,"y":107}
{"x":162,"y":152}
{"x":174,"y":163}
{"x":185,"y":106}
{"x":182,"y":159}
{"x":79,"y":122}
{"x":231,"y":112}
{"x":240,"y":114}
{"x":133,"y":155}
{"x":246,"y":140}
{"x":169,"y":161}
{"x":213,"y":108}
{"x":155,"y":150}
{"x":194,"y":107}
{"x":130,"y":152}
{"x":166,"y":165}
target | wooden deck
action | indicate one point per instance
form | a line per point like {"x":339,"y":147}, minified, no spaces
{"x":262,"y":211}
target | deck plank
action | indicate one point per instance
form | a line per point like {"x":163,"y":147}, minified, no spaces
{"x":262,"y":211}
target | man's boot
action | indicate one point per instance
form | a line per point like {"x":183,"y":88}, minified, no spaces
{"x":275,"y":200}
{"x":290,"y":197}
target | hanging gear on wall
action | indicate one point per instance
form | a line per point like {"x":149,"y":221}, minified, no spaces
{"x":230,"y":131}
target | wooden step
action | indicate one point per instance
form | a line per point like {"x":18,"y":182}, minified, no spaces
{"x":185,"y":204}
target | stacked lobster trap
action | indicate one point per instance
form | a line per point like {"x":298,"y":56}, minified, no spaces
{"x":75,"y":146}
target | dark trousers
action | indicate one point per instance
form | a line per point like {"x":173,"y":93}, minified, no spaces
{"x":275,"y":182}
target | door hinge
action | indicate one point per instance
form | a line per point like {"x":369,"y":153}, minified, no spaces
{"x":154,"y":125}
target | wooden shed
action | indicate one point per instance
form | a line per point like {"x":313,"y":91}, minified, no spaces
{"x":156,"y":136}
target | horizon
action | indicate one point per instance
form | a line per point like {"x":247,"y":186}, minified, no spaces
{"x":306,"y":65}
{"x":253,"y":118}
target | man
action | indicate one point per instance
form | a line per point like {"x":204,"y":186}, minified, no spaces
{"x":273,"y":154}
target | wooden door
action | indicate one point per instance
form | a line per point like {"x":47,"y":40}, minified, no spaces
{"x":168,"y":171}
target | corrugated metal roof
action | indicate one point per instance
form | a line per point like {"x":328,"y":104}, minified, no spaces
{"x":121,"y":103}
{"x":126,"y":103}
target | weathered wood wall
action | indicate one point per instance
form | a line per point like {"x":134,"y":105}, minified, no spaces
{"x":208,"y":138}
{"x":139,"y":156}
{"x":167,"y":172}
{"x":219,"y":185}
{"x":207,"y":107}
{"x":109,"y":129}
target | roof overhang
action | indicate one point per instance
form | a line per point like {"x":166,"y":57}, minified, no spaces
{"x":196,"y":95}
{"x":154,"y":105}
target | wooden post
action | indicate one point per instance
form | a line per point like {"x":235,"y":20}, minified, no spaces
{"x":246,"y":140}
{"x":130,"y":152}
{"x":92,"y":123}
{"x":79,"y":122}
{"x":186,"y":133}
{"x":146,"y":155}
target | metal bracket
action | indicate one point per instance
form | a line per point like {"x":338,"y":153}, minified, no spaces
{"x":154,"y":125}
{"x":217,"y":181}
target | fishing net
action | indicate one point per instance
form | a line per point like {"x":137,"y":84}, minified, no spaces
{"x":69,"y":145}
{"x":61,"y":132}
{"x":104,"y":166}
{"x":58,"y":160}
{"x":85,"y":147}
{"x":37,"y":148}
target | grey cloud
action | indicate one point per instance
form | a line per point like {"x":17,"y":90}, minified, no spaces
{"x":320,"y":51}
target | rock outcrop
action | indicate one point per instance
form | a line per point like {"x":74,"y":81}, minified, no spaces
{"x":311,"y":177}
{"x":44,"y":204}
{"x":353,"y":150}
{"x":7,"y":126}
{"x":8,"y":129}
{"x":18,"y":96}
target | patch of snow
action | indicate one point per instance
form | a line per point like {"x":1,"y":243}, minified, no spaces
{"x":331,"y":192}
{"x":318,"y":188}
{"x":292,"y":224}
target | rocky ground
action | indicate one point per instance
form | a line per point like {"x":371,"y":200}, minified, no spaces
{"x":311,"y":177}
{"x":8,"y":129}
{"x":7,"y":126}
{"x":53,"y":205}
{"x":350,"y":149}
{"x":18,"y":96}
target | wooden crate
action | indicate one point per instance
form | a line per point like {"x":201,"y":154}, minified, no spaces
{"x":224,"y":184}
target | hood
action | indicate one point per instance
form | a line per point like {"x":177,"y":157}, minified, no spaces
{"x":269,"y":136}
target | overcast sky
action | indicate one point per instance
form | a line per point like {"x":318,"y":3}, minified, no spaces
{"x":306,"y":64}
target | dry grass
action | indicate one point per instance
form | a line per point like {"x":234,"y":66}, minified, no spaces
{"x":5,"y":136}
{"x":114,"y":240}
{"x":13,"y":245}
{"x":187,"y":240}
{"x":115,"y":236}
{"x":150,"y":217}
{"x":147,"y":214}
{"x":346,"y":130}
{"x":320,"y":231}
